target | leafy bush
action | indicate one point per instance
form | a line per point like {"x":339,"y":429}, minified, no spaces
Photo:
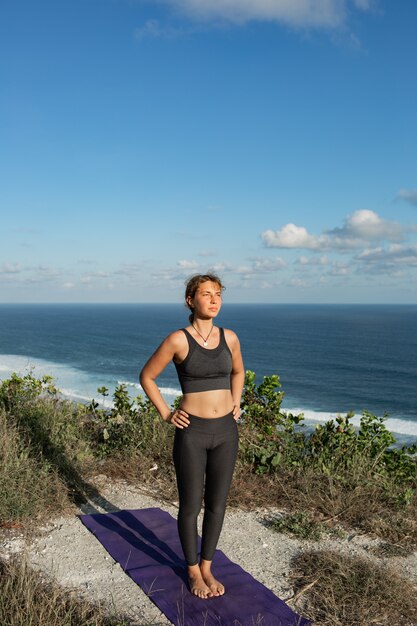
{"x":268,"y":438}
{"x":353,"y":456}
{"x":132,"y":426}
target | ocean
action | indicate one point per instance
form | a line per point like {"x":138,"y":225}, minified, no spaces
{"x":331,"y":359}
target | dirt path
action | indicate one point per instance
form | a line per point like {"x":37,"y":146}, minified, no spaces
{"x":67,"y":551}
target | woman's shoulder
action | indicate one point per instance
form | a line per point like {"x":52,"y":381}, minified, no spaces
{"x":231,"y":337}
{"x":176,"y":339}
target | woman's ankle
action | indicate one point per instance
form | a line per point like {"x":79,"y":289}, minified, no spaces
{"x":193,"y":570}
{"x":205,"y":566}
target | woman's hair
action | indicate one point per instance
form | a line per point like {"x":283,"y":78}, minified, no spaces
{"x":193,"y":284}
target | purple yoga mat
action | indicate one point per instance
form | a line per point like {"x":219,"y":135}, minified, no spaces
{"x":146,"y":545}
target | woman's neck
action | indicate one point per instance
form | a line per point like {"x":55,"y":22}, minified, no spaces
{"x":203,"y":325}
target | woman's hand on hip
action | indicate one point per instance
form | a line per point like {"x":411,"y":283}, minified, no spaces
{"x":236,"y":411}
{"x":179,"y":418}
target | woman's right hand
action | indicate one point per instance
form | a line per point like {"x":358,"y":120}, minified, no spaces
{"x":178,"y":418}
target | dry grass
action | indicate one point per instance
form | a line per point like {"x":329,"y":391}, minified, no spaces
{"x":29,"y":485}
{"x":366,"y":507}
{"x":26,"y":600}
{"x":336,"y":590}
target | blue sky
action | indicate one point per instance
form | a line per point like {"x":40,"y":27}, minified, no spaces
{"x":273,"y":141}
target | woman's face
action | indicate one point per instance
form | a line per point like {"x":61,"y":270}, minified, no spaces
{"x":207,"y":300}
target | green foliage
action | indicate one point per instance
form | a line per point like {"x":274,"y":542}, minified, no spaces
{"x":131,"y":426}
{"x":50,"y":423}
{"x":353,"y":456}
{"x":268,"y":438}
{"x":335,"y":470}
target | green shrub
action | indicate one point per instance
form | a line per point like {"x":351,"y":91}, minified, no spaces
{"x":268,"y":438}
{"x":353,"y":456}
{"x":131,"y":427}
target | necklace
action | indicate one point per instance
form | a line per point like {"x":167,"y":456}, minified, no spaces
{"x":204,"y":340}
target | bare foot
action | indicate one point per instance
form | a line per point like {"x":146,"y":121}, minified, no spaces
{"x":215,"y":586}
{"x":198,"y":587}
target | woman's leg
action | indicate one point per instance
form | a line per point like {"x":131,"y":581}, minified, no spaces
{"x":190,"y":460}
{"x":190,"y":464}
{"x":221,"y":460}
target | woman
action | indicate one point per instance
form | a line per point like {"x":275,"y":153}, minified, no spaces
{"x":211,"y":374}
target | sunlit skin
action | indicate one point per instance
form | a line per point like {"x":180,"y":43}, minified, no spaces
{"x":206,"y":305}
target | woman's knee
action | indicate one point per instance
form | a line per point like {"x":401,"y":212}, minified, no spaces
{"x":189,"y":511}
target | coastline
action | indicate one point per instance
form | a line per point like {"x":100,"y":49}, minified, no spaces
{"x":404,"y":430}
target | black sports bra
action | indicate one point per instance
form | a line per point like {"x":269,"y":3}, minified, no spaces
{"x":204,"y":369}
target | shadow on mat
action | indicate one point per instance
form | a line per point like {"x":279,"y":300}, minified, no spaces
{"x":142,"y":539}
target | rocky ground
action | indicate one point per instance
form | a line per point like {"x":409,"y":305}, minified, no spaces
{"x":65,"y":550}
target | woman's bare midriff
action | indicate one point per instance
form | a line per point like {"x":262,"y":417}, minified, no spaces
{"x":208,"y":404}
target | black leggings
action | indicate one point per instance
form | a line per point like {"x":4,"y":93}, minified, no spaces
{"x":207,"y":447}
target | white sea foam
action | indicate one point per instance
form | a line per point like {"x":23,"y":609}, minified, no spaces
{"x":72,"y":382}
{"x":128,"y":383}
{"x":73,"y":395}
{"x":166,"y":391}
{"x":82,"y":386}
{"x":395,"y":425}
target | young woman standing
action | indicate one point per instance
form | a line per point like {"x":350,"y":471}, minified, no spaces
{"x":211,"y":374}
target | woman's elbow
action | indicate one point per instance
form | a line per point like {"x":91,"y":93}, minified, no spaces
{"x":145,"y":377}
{"x":142,"y":376}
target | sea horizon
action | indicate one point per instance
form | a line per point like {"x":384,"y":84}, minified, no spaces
{"x":331,"y":358}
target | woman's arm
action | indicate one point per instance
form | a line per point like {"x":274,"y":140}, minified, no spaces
{"x":237,"y":377}
{"x":153,"y":368}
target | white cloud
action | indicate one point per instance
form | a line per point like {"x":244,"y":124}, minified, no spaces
{"x":364,"y":5}
{"x":360,"y":228}
{"x":409,"y":195}
{"x":312,"y":260}
{"x":395,"y":256}
{"x":365,"y":225}
{"x":187,"y":265}
{"x":340,"y":269}
{"x":130,"y":270}
{"x":297,"y":13}
{"x":68,"y":285}
{"x":298,"y":283}
{"x":153,"y":29}
{"x":267,"y":265}
{"x":290,"y":236}
{"x":10,"y":268}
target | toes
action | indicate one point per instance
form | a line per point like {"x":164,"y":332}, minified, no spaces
{"x":202,"y":593}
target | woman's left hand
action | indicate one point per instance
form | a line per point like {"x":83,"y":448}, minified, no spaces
{"x":236,"y":411}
